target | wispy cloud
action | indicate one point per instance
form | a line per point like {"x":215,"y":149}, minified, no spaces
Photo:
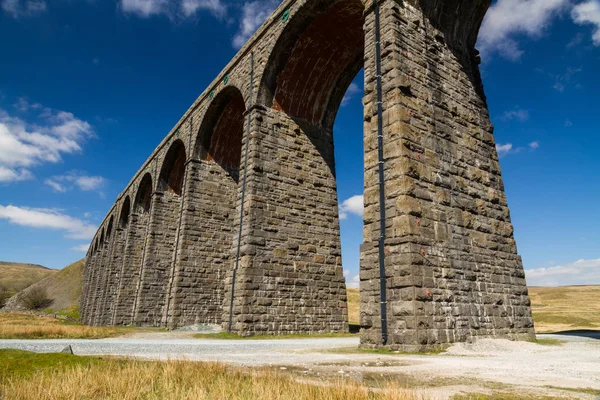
{"x":507,"y":20}
{"x":582,"y":272}
{"x":509,"y":148}
{"x":517,"y":114}
{"x":24,"y":145}
{"x":353,"y":283}
{"x":216,"y":7}
{"x":44,"y":218}
{"x":352,"y":91}
{"x":82,"y":248}
{"x":18,"y":8}
{"x":353,"y":205}
{"x":504,"y":149}
{"x":75,"y":179}
{"x":174,"y":9}
{"x":254,"y":13}
{"x":588,"y":13}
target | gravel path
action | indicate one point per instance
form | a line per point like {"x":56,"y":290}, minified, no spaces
{"x":520,"y":365}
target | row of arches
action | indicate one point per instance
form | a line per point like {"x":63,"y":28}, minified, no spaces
{"x":133,"y":274}
{"x":169,"y":261}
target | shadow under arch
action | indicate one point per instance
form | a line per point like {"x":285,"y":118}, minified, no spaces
{"x":125,"y":211}
{"x":143,"y":198}
{"x":314,"y":61}
{"x":220,"y":135}
{"x":173,"y":169}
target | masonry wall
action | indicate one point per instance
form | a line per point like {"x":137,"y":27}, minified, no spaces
{"x":111,"y":287}
{"x":205,"y":245}
{"x":156,"y":269}
{"x":452,"y":270}
{"x":291,"y":278}
{"x":451,"y":261}
{"x":131,"y":269}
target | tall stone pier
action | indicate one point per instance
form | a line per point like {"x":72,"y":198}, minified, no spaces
{"x":451,"y":271}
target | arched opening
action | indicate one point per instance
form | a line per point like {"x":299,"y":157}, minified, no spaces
{"x":173,"y":169}
{"x":102,"y":241}
{"x":125,"y":210}
{"x":315,"y":60}
{"x":157,"y":268}
{"x":109,"y":229}
{"x":143,"y":197}
{"x":213,"y":187}
{"x":311,"y":66}
{"x":220,"y":135}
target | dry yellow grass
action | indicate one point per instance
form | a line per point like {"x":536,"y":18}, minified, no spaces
{"x":565,"y":308}
{"x":555,"y":309}
{"x":128,"y":379}
{"x":24,"y":326}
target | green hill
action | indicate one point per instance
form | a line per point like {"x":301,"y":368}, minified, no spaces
{"x":63,"y":287}
{"x":15,"y":277}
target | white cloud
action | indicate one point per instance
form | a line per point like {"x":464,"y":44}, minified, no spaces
{"x":503,"y":149}
{"x":144,"y":8}
{"x":508,"y":19}
{"x":354,"y":283}
{"x":534,"y":145}
{"x":254,"y":13}
{"x":82,"y":248}
{"x":17,"y":8}
{"x":352,"y":91}
{"x":353,"y":205}
{"x":582,"y":272}
{"x":64,"y":183}
{"x":216,"y":7}
{"x":24,"y":145}
{"x":517,"y":113}
{"x":568,"y":123}
{"x":48,"y":219}
{"x":346,"y":272}
{"x":14,"y":175}
{"x":588,"y":12}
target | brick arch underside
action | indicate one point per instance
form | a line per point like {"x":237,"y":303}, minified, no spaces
{"x":208,"y":229}
{"x":173,"y":170}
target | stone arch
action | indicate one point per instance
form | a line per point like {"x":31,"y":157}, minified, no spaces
{"x":173,"y":169}
{"x":314,"y":60}
{"x":125,"y":211}
{"x":220,"y":135}
{"x":143,"y":198}
{"x":109,"y":229}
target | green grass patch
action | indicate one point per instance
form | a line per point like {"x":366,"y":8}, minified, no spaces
{"x":572,"y":319}
{"x":548,"y":342}
{"x":590,"y":391}
{"x":22,"y":364}
{"x":358,"y":350}
{"x":502,"y":396}
{"x":232,"y":336}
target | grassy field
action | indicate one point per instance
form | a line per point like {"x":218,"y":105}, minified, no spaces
{"x":554,"y":309}
{"x":24,"y":326}
{"x":565,"y":308}
{"x":63,"y":287}
{"x":26,"y":375}
{"x":16,"y":277}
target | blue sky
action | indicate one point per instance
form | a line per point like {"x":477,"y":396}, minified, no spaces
{"x":89,"y":88}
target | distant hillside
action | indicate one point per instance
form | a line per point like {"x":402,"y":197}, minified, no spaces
{"x":555,"y":309}
{"x":15,"y":277}
{"x":63,"y":287}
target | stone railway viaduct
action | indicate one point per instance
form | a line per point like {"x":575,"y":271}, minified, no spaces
{"x":167,"y":252}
